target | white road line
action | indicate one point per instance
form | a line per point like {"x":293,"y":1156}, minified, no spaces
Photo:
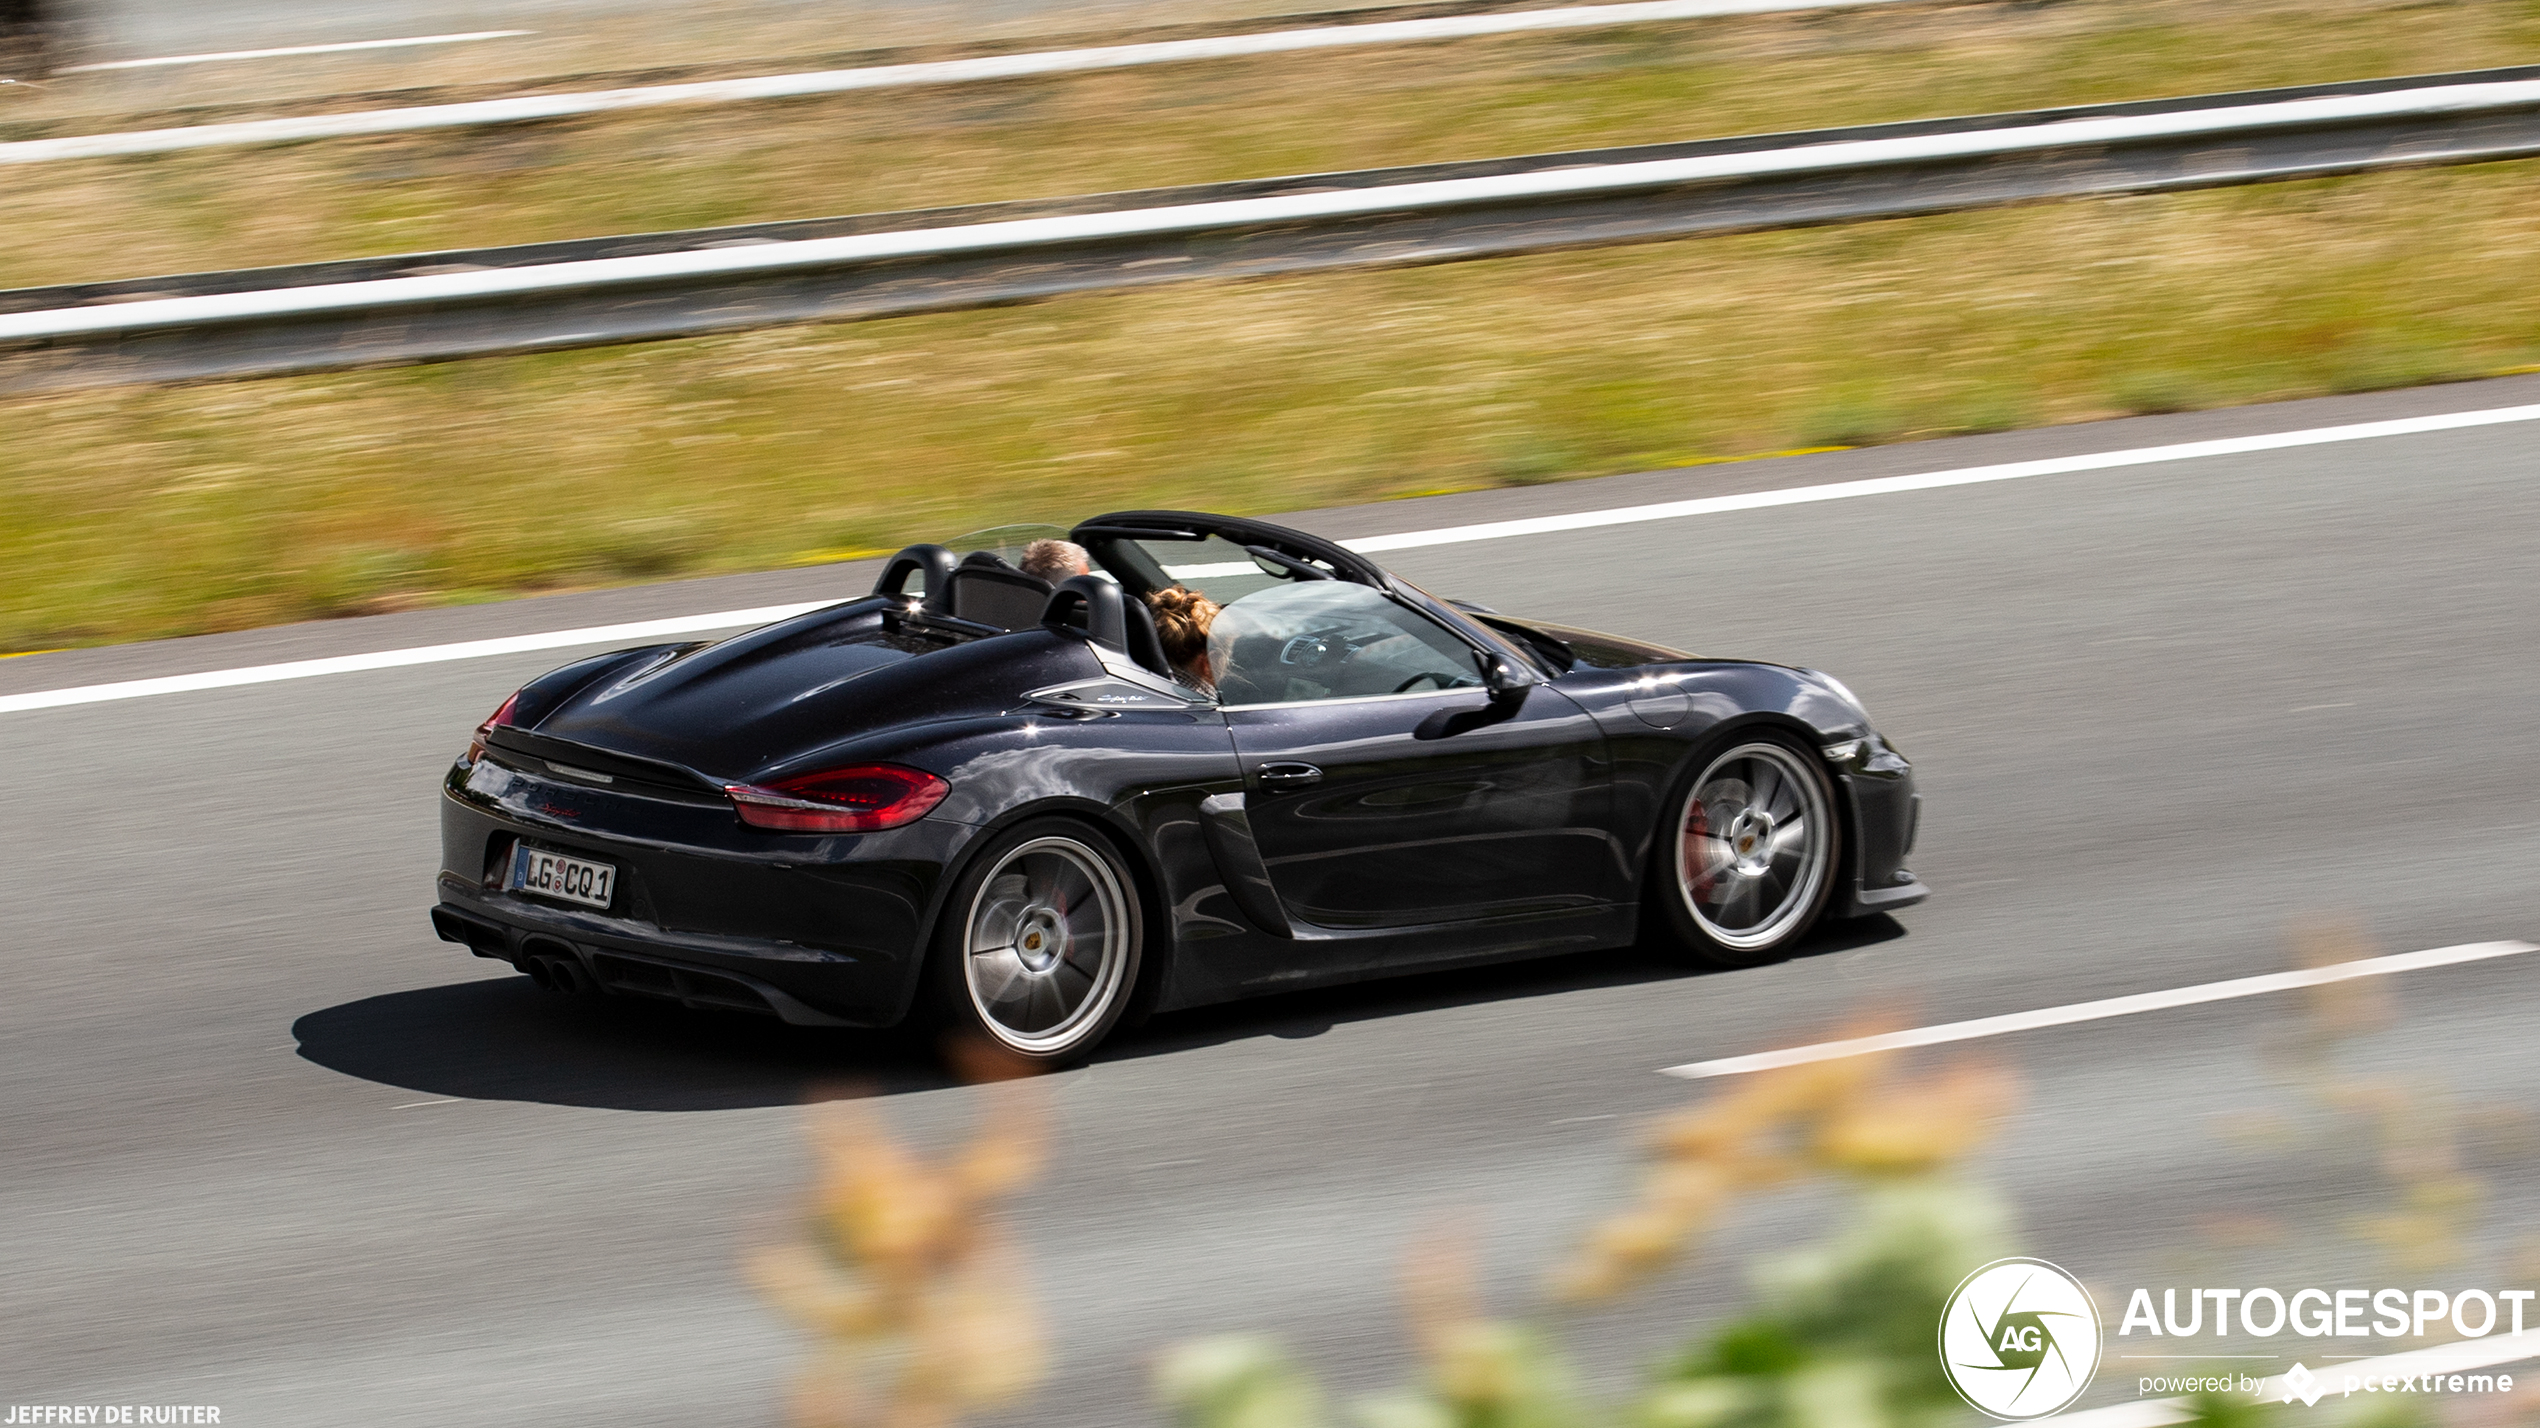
{"x":398,"y":659}
{"x":1448,"y":535}
{"x":1936,"y":480}
{"x":785,"y":86}
{"x":2458,"y":1357}
{"x":226,"y":55}
{"x":444,"y":1101}
{"x":2099,"y":1010}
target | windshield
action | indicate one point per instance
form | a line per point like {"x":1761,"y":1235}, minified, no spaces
{"x":1330,"y":639}
{"x":1004,"y":542}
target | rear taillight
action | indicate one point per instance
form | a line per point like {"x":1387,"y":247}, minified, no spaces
{"x":866,"y":798}
{"x":503,"y":715}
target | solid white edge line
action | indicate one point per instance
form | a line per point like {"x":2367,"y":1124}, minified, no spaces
{"x":386,"y":294}
{"x":2099,"y":1010}
{"x":784,"y":86}
{"x":2455,"y":1357}
{"x":398,"y":659}
{"x":1446,"y":535}
{"x":347,"y":46}
{"x":1937,"y":480}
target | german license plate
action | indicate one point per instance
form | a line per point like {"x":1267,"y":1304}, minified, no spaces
{"x":543,"y":874}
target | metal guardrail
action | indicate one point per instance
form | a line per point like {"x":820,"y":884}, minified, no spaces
{"x":439,"y":306}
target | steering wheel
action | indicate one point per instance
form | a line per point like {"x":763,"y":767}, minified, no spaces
{"x":1315,"y":650}
{"x":1406,"y":686}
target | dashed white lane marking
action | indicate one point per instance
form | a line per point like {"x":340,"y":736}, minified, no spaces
{"x":345,"y":47}
{"x":2100,"y":1010}
{"x":2459,"y":1357}
{"x":1409,"y":540}
{"x":444,"y":1101}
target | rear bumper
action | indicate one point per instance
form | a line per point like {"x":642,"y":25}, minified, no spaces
{"x":733,"y":976}
{"x":816,"y":930}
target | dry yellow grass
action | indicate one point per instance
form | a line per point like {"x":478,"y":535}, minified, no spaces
{"x":1278,"y":114}
{"x":149,"y":512}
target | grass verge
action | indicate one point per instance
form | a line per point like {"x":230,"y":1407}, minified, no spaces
{"x":142,"y":215}
{"x":151,"y":512}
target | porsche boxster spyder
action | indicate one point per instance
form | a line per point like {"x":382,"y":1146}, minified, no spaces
{"x":974,"y":796}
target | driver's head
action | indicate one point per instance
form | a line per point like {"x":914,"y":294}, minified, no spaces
{"x":1056,"y":560}
{"x":1182,"y":618}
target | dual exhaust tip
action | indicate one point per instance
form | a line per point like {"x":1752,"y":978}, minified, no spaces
{"x":557,"y":969}
{"x":552,"y":965}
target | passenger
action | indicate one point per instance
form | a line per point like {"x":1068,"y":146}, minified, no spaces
{"x":1056,"y":560}
{"x":1182,"y":618}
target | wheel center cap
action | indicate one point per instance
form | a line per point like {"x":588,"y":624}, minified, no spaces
{"x":1750,"y":840}
{"x":1040,"y":939}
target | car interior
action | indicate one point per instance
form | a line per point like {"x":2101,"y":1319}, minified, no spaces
{"x":1291,"y":626}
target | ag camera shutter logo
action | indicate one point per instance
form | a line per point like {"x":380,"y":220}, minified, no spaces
{"x":2020,"y":1339}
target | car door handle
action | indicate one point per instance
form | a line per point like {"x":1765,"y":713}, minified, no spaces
{"x":1281,"y":778}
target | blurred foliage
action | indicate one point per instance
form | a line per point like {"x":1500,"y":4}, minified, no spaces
{"x":1839,"y":1336}
{"x":911,"y":1292}
{"x":2412,"y":1132}
{"x":1238,"y":1381}
{"x":1848,"y":1116}
{"x":1842,"y":1333}
{"x":903,"y":1276}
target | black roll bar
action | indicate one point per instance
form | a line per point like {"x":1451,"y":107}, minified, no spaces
{"x":936,"y":562}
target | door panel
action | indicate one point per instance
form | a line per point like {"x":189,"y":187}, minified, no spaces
{"x":1430,"y":807}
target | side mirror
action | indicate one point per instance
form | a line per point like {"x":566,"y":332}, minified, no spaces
{"x":1504,"y":679}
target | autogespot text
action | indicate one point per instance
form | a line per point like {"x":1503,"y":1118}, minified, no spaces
{"x":2328,"y":1314}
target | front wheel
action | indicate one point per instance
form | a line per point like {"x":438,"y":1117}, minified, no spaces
{"x":1037,"y":950}
{"x":1745,"y":861}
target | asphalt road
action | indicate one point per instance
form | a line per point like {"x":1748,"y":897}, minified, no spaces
{"x":272,"y":1147}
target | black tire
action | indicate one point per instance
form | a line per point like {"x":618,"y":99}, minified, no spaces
{"x":1738,"y":876}
{"x":1037,"y":951}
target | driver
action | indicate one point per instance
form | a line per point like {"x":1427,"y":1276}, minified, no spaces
{"x":1182,"y":618}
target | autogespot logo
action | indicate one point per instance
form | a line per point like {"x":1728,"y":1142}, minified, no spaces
{"x":2020,"y":1339}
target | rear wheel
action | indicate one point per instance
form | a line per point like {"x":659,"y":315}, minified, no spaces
{"x":1037,"y":951}
{"x":1745,"y":862}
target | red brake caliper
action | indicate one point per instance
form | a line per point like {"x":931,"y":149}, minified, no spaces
{"x":1697,"y":832}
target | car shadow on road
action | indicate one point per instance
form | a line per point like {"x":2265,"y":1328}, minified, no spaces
{"x":502,"y":1039}
{"x":1298,"y":1015}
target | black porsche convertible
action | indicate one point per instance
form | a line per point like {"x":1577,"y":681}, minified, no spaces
{"x":973,"y":796}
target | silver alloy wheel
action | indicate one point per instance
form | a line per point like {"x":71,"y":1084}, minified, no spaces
{"x":1046,"y":945}
{"x":1752,"y":849}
